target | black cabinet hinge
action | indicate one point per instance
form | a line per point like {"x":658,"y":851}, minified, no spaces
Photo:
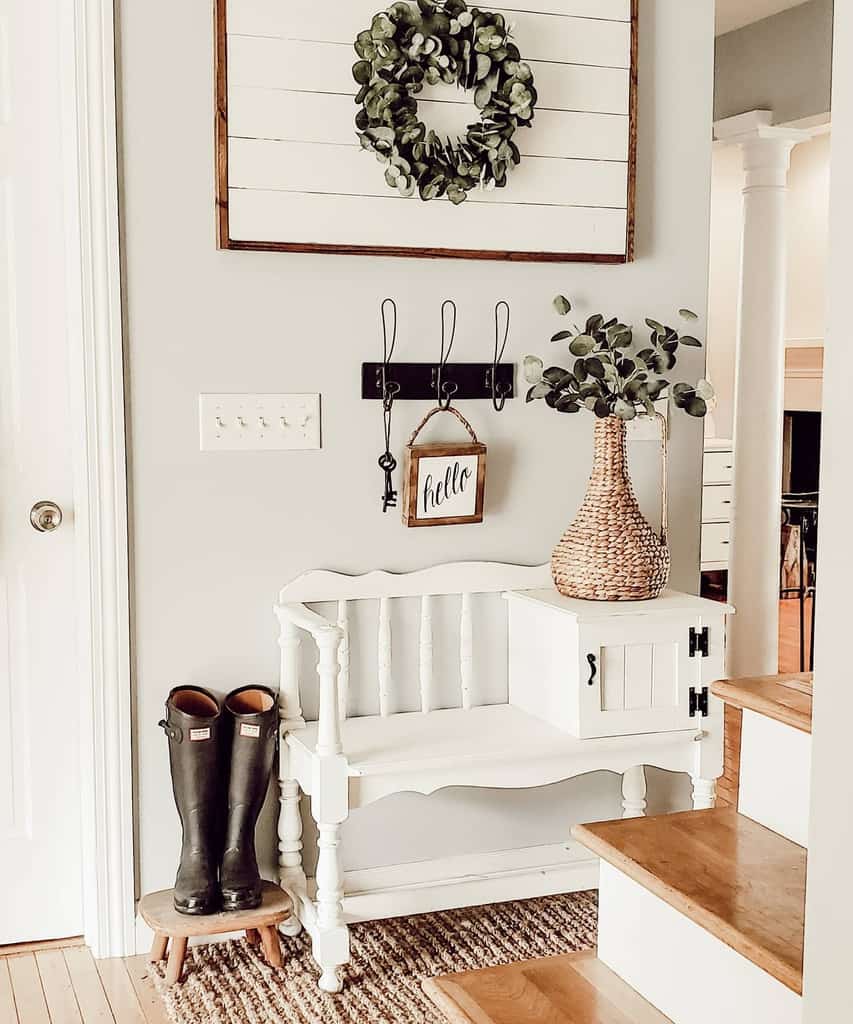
{"x":699,"y":702}
{"x":699,"y":642}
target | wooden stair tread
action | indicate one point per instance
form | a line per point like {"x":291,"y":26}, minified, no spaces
{"x":785,"y":698}
{"x":575,"y":988}
{"x":741,"y":882}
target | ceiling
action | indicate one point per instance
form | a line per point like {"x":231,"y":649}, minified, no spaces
{"x":732,"y":14}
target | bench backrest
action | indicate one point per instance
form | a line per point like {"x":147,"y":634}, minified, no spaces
{"x":462,"y":579}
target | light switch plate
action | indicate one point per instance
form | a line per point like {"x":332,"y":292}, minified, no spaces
{"x":259,"y":423}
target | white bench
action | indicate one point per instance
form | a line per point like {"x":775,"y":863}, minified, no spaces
{"x":343,"y":763}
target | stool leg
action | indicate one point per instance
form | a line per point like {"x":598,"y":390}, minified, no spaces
{"x":272,"y":947}
{"x":252,"y":936}
{"x":175,"y":966}
{"x":158,"y":948}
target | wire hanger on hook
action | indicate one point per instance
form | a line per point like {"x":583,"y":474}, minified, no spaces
{"x":500,"y":392}
{"x":445,"y":390}
{"x":390,"y":389}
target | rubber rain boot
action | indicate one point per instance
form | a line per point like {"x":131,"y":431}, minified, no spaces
{"x":193,"y":725}
{"x":252,"y":715}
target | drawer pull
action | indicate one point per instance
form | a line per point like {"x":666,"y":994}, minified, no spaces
{"x":593,"y":668}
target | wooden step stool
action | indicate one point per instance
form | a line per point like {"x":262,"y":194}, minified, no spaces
{"x":261,"y":926}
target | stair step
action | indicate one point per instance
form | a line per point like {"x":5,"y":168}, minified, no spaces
{"x":742,"y":883}
{"x":785,"y":698}
{"x":575,"y":988}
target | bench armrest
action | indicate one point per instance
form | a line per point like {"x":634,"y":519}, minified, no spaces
{"x":304,"y":618}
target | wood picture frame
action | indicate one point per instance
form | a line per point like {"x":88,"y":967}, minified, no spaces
{"x":458,"y":471}
{"x":248,"y":213}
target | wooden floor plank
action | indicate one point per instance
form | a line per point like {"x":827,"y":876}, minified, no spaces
{"x":741,"y":882}
{"x":57,"y":987}
{"x":34,"y":947}
{"x":571,"y":989}
{"x":8,"y":1013}
{"x":26,"y":986}
{"x":120,"y":992}
{"x":152,"y":1006}
{"x":91,"y":997}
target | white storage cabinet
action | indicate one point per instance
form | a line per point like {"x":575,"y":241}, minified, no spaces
{"x":614,"y":668}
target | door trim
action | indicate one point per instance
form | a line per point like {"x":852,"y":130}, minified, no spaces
{"x":100,"y":472}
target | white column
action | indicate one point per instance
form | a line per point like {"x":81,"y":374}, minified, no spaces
{"x":759,"y":392}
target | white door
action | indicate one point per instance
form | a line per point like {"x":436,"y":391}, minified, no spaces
{"x":40,"y":850}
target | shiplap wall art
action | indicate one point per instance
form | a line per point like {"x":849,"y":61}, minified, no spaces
{"x":292,"y":176}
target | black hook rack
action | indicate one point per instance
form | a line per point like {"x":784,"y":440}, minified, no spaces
{"x":444,"y":381}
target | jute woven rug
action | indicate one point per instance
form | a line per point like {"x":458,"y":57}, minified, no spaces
{"x":229,"y":983}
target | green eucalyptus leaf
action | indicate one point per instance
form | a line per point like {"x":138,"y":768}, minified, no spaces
{"x":562,"y":336}
{"x":533,"y":367}
{"x":538,"y":391}
{"x":690,"y":342}
{"x":553,"y":375}
{"x":687,"y":314}
{"x":696,"y":407}
{"x":624,"y":410}
{"x":582,"y":345}
{"x":562,"y":305}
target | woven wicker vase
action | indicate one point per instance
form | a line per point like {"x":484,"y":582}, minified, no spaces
{"x":610,"y":552}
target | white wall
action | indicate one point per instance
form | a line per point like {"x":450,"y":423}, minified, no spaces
{"x":828,"y":995}
{"x":782,"y":63}
{"x":808,"y":227}
{"x":215,"y":536}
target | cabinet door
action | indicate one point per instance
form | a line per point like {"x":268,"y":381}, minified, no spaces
{"x":635,"y":676}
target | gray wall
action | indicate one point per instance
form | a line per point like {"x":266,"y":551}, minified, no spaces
{"x":783,"y":64}
{"x":214,"y":536}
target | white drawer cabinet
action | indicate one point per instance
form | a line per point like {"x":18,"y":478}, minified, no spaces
{"x":618,"y":668}
{"x":717,"y":503}
{"x":718,"y":467}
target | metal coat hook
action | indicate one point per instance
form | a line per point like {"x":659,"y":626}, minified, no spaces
{"x":500,"y":391}
{"x":389,"y":388}
{"x":445,"y":390}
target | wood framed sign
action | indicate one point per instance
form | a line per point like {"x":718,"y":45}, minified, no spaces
{"x":512,"y":137}
{"x":445,"y":484}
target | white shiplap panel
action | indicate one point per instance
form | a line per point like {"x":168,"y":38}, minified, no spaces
{"x":316,"y":117}
{"x":309,"y":167}
{"x":320,"y":68}
{"x":538,"y":36}
{"x":260,"y":17}
{"x":269,"y":216}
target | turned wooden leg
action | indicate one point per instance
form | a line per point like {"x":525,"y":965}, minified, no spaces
{"x":272,"y":947}
{"x":704,"y":794}
{"x":158,"y":948}
{"x":292,"y":877}
{"x":175,"y":966}
{"x":634,"y":793}
{"x":333,"y":947}
{"x":252,"y":936}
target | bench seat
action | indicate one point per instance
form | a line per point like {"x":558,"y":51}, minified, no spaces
{"x":494,"y":746}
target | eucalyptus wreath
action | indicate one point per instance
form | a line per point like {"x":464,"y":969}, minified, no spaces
{"x":414,"y":44}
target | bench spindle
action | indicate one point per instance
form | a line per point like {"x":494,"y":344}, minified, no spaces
{"x":425,"y":651}
{"x":343,"y":660}
{"x":384,"y":657}
{"x":290,"y":709}
{"x":466,"y":652}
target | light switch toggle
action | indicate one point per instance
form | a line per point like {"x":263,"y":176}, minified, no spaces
{"x":245,"y":422}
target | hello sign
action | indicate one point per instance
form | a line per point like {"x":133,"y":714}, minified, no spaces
{"x":444,"y":483}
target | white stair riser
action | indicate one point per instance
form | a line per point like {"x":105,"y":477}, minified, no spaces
{"x":775,"y":775}
{"x":688,"y":974}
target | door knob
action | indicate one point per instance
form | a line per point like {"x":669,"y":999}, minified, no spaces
{"x":45,"y":516}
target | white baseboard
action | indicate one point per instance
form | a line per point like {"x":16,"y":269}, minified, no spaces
{"x":468,"y":880}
